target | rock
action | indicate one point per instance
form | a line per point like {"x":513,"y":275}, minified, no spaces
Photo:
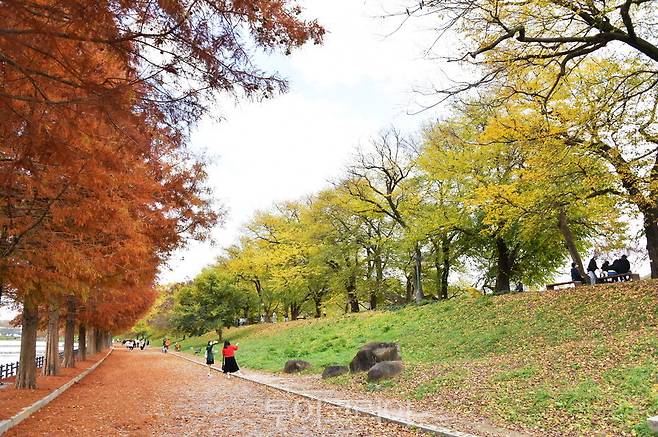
{"x":363,"y":361}
{"x":294,"y":366}
{"x":387,"y":352}
{"x":373,"y":353}
{"x":384,"y":370}
{"x":653,"y":423}
{"x":332,"y":371}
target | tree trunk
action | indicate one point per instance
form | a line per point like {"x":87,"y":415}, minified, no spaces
{"x":438,"y":265}
{"x":352,"y":299}
{"x":69,"y":333}
{"x":379,"y":280}
{"x":445,"y":272}
{"x":220,"y":334}
{"x":82,"y":342}
{"x":409,"y":291}
{"x":294,"y":308}
{"x":418,"y":271}
{"x":569,"y":240}
{"x":318,"y":307}
{"x":98,"y":340}
{"x":651,"y":234}
{"x":27,"y":369}
{"x":91,"y":344}
{"x":504,"y":266}
{"x":51,"y":359}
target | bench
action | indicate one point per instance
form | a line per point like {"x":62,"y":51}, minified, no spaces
{"x":558,"y":284}
{"x":623,"y":276}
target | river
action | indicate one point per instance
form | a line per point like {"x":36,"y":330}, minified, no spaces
{"x":10,"y":349}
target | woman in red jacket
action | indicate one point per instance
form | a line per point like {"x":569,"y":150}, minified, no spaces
{"x":228,"y":352}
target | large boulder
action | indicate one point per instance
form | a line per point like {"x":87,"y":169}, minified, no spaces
{"x":384,"y":370}
{"x":332,"y":371}
{"x":294,"y":366}
{"x":373,"y":353}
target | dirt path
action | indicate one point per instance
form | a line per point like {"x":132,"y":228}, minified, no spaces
{"x":147,"y":393}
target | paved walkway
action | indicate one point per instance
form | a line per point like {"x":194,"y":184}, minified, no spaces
{"x":145,"y":393}
{"x":396,"y":410}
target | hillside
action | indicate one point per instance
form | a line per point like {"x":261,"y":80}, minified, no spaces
{"x":568,"y":362}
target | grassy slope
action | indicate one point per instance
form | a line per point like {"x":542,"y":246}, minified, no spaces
{"x":562,"y":362}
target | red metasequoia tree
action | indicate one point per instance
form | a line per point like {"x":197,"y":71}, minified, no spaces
{"x":96,"y":185}
{"x":183,"y":51}
{"x":114,"y":220}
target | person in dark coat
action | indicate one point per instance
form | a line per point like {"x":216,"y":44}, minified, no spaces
{"x":591,"y":270}
{"x":624,"y":265}
{"x":228,"y":352}
{"x":210,"y":357}
{"x":619,"y":266}
{"x":575,"y":274}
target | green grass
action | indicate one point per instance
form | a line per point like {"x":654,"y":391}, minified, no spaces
{"x":574,"y":361}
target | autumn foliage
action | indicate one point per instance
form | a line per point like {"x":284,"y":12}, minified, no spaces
{"x":97,"y":186}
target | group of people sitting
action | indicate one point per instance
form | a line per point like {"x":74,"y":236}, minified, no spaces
{"x":619,"y":266}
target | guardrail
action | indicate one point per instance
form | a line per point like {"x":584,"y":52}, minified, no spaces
{"x":10,"y":369}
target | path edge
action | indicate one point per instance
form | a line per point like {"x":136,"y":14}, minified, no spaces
{"x":7,"y":424}
{"x":440,"y":431}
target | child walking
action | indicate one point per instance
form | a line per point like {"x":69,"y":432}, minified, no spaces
{"x":228,"y":353}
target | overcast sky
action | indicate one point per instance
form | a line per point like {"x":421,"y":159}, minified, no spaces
{"x":361,"y":80}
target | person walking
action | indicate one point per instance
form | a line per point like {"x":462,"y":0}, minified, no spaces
{"x":228,"y":354}
{"x":210,"y":357}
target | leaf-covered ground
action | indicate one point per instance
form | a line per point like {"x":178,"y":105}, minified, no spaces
{"x":148,"y":393}
{"x":574,"y":362}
